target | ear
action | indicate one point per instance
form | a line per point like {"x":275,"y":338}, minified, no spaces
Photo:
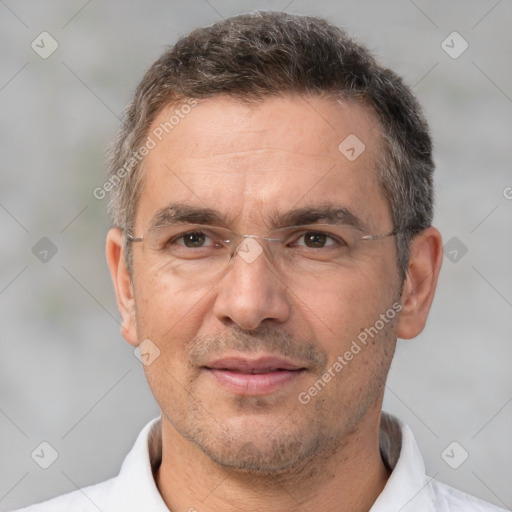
{"x":123,"y":285}
{"x":426,"y":256}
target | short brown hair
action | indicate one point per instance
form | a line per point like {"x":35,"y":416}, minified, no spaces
{"x":257,"y":55}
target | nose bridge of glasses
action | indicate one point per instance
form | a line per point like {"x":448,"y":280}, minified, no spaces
{"x":261,"y":237}
{"x":249,"y":246}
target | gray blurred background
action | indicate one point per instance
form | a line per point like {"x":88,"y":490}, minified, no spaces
{"x":67,"y":376}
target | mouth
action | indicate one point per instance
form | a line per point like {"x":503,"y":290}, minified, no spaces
{"x":254,"y":376}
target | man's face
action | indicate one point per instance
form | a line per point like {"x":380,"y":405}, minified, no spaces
{"x":238,"y":348}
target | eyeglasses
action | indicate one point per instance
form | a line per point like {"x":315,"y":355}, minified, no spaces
{"x":204,"y":252}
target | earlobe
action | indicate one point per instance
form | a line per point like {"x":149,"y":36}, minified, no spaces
{"x":123,"y":285}
{"x":419,"y":287}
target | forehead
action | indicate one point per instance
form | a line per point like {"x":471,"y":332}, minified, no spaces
{"x":271,"y":155}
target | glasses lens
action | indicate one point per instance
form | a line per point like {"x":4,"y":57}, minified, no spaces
{"x":204,"y":252}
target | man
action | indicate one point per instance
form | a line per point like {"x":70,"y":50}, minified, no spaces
{"x":272,"y":205}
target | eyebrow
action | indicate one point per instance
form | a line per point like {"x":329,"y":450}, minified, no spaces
{"x":181,"y":213}
{"x":326,"y":213}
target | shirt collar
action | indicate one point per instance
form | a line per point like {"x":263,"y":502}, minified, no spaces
{"x":135,"y":488}
{"x":407,"y":489}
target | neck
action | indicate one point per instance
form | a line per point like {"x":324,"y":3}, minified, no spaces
{"x":348,"y":478}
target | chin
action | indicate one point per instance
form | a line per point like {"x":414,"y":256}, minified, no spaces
{"x":281,"y":456}
{"x":260,"y":445}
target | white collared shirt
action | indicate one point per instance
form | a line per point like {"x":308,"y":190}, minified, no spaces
{"x":408,"y":489}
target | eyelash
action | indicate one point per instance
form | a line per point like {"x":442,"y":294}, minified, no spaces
{"x":176,"y":238}
{"x":333,"y":238}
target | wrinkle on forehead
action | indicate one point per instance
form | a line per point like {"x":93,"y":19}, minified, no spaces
{"x":259,"y":150}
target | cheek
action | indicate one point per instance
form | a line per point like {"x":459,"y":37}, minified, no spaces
{"x":360,"y":343}
{"x":344,"y":303}
{"x":340,"y":310}
{"x":167,"y":312}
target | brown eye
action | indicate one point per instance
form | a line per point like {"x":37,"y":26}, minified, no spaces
{"x":194,"y":239}
{"x":315,"y":240}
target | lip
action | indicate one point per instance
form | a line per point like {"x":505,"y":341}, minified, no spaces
{"x":254,"y":376}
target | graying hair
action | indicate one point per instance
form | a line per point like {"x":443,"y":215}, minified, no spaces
{"x":254,"y":56}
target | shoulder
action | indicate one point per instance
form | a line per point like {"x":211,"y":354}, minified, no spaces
{"x":409,"y":487}
{"x":449,"y":499}
{"x":88,"y":499}
{"x":132,"y":490}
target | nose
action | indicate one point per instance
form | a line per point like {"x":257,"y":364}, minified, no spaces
{"x":252,"y":291}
